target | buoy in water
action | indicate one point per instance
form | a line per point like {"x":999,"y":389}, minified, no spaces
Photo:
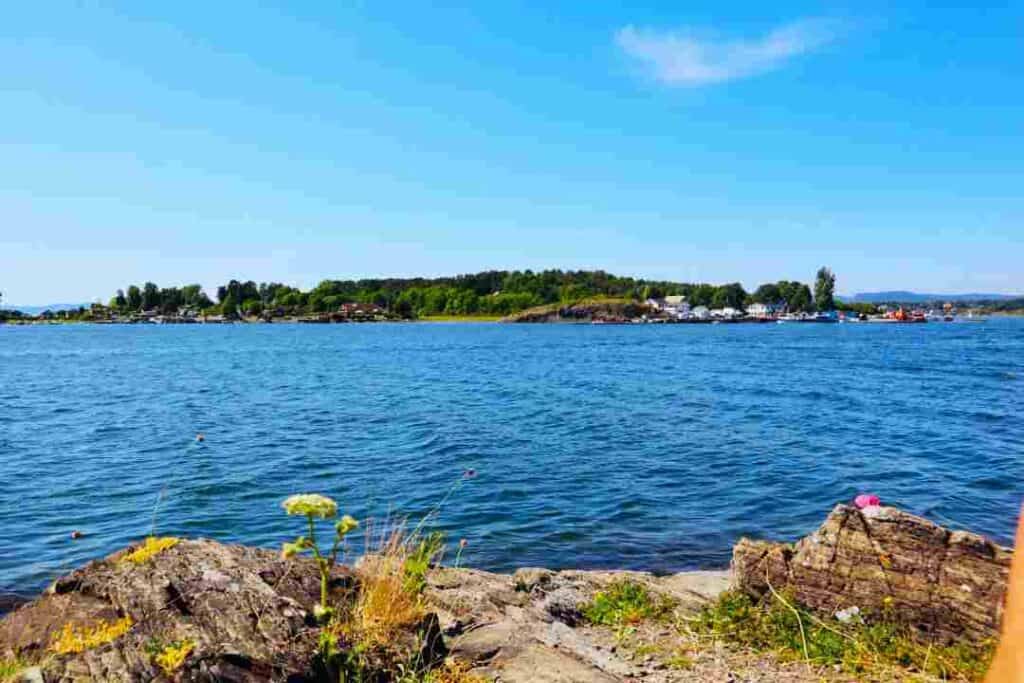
{"x":75,"y":535}
{"x":200,"y":438}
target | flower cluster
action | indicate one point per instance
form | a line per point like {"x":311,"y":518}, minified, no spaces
{"x":174,"y":655}
{"x":310,"y":505}
{"x":151,"y":547}
{"x":72,"y":639}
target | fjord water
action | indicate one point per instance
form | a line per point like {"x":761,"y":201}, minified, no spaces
{"x":648,"y":447}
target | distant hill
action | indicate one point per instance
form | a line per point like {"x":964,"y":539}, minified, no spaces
{"x":900,"y":296}
{"x":36,"y":310}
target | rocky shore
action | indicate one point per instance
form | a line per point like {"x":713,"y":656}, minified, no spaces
{"x":199,"y":610}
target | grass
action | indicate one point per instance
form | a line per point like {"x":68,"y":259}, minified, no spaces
{"x":73,"y":639}
{"x":151,"y":547}
{"x":384,"y":606}
{"x":626,"y":603}
{"x":373,"y":629}
{"x":11,"y":667}
{"x":876,"y":649}
{"x":451,"y":672}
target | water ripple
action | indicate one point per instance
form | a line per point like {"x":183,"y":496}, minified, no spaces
{"x":639,"y":447}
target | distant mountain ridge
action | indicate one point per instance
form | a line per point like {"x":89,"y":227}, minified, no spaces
{"x":920,"y":297}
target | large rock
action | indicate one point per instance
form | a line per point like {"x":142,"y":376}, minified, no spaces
{"x":247,"y":612}
{"x":947,"y":584}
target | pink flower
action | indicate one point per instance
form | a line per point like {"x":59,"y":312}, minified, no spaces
{"x":866,"y":500}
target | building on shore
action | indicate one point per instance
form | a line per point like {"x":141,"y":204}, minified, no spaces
{"x":675,"y":306}
{"x":759,"y":310}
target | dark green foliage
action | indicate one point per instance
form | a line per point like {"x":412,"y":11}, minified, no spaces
{"x":824,"y":289}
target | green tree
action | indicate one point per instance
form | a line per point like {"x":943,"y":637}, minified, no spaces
{"x":150,"y":296}
{"x":800,"y":299}
{"x":134,"y":298}
{"x":824,"y":289}
{"x":732,"y":295}
{"x":768,"y":294}
{"x":229,"y":305}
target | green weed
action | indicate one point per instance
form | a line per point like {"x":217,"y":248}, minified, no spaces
{"x":782,"y":626}
{"x":626,"y":603}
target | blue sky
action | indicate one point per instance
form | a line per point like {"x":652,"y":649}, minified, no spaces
{"x":195,"y":142}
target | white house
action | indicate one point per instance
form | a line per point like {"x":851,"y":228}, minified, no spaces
{"x":671,"y":306}
{"x":759,"y":310}
{"x":677,"y":306}
{"x":700,"y":312}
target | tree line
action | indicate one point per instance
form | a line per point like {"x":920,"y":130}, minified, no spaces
{"x":494,"y":292}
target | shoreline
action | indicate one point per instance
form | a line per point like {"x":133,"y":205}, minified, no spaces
{"x":598,"y":626}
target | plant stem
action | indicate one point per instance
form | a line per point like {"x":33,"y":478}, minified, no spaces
{"x":321,"y":563}
{"x":323,"y":586}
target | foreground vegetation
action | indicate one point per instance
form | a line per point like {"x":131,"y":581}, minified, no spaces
{"x":879,"y":649}
{"x":376,"y":618}
{"x":857,"y":646}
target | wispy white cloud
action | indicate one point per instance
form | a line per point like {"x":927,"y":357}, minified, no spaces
{"x":682,"y":58}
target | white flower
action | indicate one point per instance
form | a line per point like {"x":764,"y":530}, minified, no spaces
{"x":311,"y":504}
{"x":849,"y":614}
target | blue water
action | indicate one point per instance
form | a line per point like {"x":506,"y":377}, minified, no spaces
{"x":648,"y":447}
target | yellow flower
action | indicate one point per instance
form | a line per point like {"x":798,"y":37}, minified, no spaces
{"x":151,"y":547}
{"x":348,"y":523}
{"x":311,"y":504}
{"x":71,"y":639}
{"x":173,"y":656}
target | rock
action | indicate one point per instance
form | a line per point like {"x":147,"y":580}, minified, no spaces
{"x":540,"y":664}
{"x":566,"y":639}
{"x":947,"y":584}
{"x":528,"y":578}
{"x":564,"y":605}
{"x":11,"y":601}
{"x":246,"y":610}
{"x":694,"y":589}
{"x":528,"y":627}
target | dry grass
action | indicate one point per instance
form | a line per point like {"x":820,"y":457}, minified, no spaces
{"x":384,"y":605}
{"x":388,"y":597}
{"x":453,"y":672}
